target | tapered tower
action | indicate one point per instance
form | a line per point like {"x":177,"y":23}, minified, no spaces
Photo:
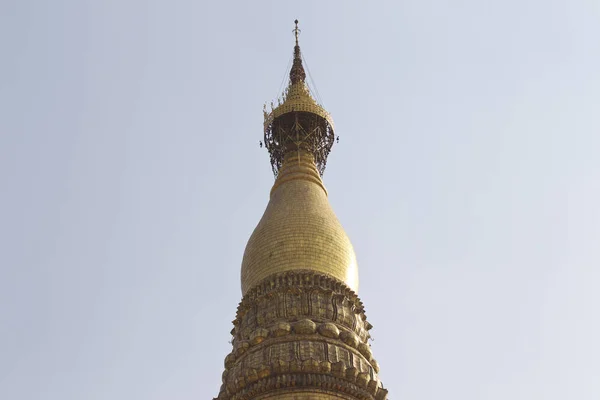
{"x":300,"y":331}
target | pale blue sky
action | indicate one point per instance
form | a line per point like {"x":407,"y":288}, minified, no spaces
{"x":467,"y":177}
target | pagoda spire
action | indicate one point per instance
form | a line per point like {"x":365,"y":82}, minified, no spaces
{"x":300,"y":331}
{"x":297,"y":74}
{"x":299,"y":124}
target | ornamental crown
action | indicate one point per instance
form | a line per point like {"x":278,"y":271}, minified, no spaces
{"x":298,"y":122}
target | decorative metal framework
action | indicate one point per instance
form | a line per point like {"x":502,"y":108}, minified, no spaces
{"x":295,"y":131}
{"x":299,"y":122}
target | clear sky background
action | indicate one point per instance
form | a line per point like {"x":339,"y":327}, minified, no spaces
{"x":467,"y":176}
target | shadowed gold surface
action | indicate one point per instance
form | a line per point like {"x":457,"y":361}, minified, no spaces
{"x":299,"y":230}
{"x":312,"y":395}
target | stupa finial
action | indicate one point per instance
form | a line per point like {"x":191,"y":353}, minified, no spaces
{"x":297,"y":73}
{"x":298,"y":124}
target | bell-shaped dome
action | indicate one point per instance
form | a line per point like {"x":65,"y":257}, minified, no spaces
{"x":299,"y":230}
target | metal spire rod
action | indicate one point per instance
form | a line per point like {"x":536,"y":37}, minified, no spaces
{"x":296,"y":31}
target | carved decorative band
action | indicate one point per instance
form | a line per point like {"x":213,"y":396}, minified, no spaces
{"x":324,"y":342}
{"x":347,"y":381}
{"x":299,"y":279}
{"x":301,"y":329}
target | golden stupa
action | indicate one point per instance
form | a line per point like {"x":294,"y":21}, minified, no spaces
{"x":300,"y":331}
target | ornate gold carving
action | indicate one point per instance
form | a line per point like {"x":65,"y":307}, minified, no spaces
{"x":305,"y":327}
{"x":286,"y":330}
{"x":280,"y":329}
{"x":329,"y":330}
{"x":365,"y":350}
{"x":258,"y":336}
{"x":350,"y":338}
{"x":318,"y":383}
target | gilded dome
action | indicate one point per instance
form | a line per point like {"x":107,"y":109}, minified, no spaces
{"x":299,"y":230}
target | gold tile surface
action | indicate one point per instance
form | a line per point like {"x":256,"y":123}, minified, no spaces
{"x":299,"y":230}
